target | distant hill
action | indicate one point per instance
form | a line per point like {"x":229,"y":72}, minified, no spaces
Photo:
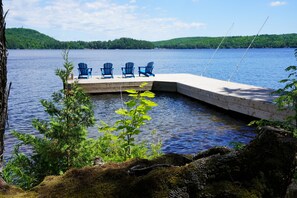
{"x":22,"y":38}
{"x":262,"y":41}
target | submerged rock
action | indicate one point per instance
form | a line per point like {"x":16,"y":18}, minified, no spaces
{"x":264,"y":168}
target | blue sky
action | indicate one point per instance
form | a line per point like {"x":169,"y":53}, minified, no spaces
{"x":152,"y":20}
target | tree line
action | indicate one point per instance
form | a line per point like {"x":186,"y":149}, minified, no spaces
{"x":262,"y":41}
{"x":122,"y":43}
{"x":22,"y":38}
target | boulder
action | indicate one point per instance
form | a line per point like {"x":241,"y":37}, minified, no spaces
{"x":263,"y":168}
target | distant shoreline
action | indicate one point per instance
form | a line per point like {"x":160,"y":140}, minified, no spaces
{"x":22,"y":38}
{"x":164,"y":48}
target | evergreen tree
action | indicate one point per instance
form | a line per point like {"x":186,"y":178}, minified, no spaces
{"x":63,"y":142}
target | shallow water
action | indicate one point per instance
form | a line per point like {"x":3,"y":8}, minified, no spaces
{"x":183,"y":124}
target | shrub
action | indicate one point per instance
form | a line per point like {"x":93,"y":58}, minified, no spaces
{"x":62,"y":142}
{"x":117,"y":142}
{"x":288,"y":94}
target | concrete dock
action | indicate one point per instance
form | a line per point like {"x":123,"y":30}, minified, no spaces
{"x":241,"y":98}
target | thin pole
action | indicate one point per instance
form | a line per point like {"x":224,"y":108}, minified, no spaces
{"x":209,"y":61}
{"x":238,"y":64}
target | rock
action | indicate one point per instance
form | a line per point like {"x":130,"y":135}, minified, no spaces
{"x":139,"y":170}
{"x":292,"y":190}
{"x":98,"y":161}
{"x":212,"y":151}
{"x":263,"y":168}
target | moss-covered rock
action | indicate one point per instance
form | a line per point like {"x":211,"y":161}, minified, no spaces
{"x":264,"y":168}
{"x":8,"y":191}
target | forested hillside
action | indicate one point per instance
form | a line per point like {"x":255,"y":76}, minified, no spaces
{"x":22,"y":38}
{"x":122,"y":43}
{"x":262,"y":41}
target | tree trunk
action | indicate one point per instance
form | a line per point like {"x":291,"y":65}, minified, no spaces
{"x":4,"y":91}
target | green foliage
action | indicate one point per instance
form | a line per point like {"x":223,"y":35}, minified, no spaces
{"x":122,"y":43}
{"x":288,"y":94}
{"x":63,"y":141}
{"x":117,"y":142}
{"x":22,"y":38}
{"x":16,"y":171}
{"x":262,"y":41}
{"x":287,"y":99}
{"x":277,"y":124}
{"x":237,"y":145}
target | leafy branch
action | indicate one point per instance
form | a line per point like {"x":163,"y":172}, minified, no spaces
{"x":123,"y":133}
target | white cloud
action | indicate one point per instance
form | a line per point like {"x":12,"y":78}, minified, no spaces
{"x":94,"y":20}
{"x":278,"y":3}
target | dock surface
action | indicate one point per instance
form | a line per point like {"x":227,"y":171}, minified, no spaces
{"x":241,"y":98}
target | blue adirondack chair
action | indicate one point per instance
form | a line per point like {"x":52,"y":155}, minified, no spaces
{"x":107,"y":70}
{"x":84,"y":71}
{"x":146,"y":70}
{"x":128,"y":70}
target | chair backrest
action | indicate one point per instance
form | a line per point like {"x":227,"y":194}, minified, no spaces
{"x":149,"y":67}
{"x":83,"y":71}
{"x":150,"y":64}
{"x":107,"y":67}
{"x":82,"y":65}
{"x":129,"y":67}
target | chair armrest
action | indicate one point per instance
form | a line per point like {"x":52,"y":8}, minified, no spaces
{"x":90,"y":69}
{"x":141,"y":69}
{"x":101,"y":69}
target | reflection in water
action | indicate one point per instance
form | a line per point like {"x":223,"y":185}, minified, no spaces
{"x":183,"y":124}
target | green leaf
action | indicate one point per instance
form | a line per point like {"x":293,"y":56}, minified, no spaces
{"x":143,"y":85}
{"x":150,"y":103}
{"x":131,"y":91}
{"x":131,"y":103}
{"x":147,"y":94}
{"x":121,"y":111}
{"x":291,"y":68}
{"x":284,"y":80}
{"x":146,"y":117}
{"x":133,"y":95}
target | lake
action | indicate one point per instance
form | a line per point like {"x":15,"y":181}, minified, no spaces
{"x":187,"y":128}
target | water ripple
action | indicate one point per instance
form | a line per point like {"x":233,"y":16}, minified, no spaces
{"x":184,"y":125}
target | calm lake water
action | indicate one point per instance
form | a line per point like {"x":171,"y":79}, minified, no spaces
{"x":185,"y":125}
